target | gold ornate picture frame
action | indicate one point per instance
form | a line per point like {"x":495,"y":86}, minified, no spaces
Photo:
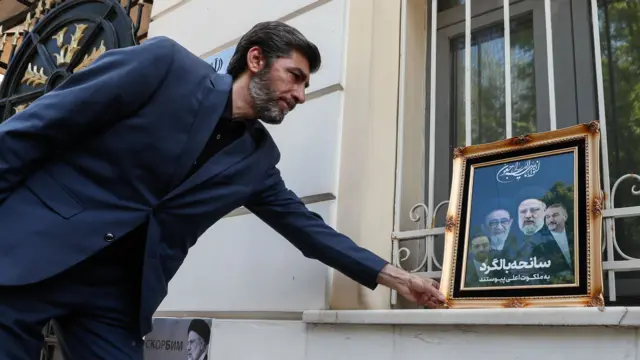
{"x":524,"y":222}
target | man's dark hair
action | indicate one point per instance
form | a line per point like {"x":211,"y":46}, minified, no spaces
{"x":276,"y":39}
{"x":201,"y":328}
{"x":557,"y":205}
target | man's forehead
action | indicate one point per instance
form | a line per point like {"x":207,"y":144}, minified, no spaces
{"x":479,"y":240}
{"x":555,"y":210}
{"x":300,"y":61}
{"x":295,"y":63}
{"x":530,"y":203}
{"x":498,"y":213}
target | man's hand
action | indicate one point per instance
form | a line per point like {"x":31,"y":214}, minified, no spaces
{"x":423,"y":291}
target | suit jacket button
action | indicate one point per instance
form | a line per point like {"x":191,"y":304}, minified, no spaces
{"x":109,"y":237}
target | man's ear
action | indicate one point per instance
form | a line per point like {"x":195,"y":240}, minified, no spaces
{"x":255,"y":59}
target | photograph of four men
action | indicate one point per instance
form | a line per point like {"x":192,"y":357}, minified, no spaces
{"x":522,"y":223}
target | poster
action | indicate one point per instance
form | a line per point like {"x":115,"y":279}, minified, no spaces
{"x":522,"y":222}
{"x":178,"y":339}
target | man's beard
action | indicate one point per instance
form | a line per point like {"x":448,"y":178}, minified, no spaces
{"x":497,"y":241}
{"x":553,"y":226}
{"x":264,"y":98}
{"x":530,"y":229}
{"x":482,"y":256}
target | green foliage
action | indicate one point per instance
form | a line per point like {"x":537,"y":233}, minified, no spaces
{"x":620,"y":43}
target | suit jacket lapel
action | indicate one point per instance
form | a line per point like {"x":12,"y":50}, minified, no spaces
{"x":213,"y":103}
{"x":232,"y":154}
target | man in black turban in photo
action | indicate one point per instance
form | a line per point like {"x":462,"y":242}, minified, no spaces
{"x":198,"y":337}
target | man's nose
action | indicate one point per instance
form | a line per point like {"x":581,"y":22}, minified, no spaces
{"x":299,"y":95}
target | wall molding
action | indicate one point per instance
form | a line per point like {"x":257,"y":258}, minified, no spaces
{"x":234,"y":315}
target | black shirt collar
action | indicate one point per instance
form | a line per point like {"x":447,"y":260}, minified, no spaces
{"x":228,"y":109}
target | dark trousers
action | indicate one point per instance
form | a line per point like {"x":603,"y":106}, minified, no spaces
{"x":93,"y":305}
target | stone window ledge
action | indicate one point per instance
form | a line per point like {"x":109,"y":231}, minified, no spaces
{"x":611,"y":316}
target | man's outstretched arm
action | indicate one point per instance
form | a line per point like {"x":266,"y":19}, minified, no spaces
{"x":114,"y":87}
{"x":283,"y":211}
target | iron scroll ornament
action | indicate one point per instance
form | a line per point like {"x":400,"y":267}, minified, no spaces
{"x":66,"y":40}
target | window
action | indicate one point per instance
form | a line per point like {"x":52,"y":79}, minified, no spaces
{"x":487,"y":81}
{"x":574,"y":91}
{"x":619,"y":27}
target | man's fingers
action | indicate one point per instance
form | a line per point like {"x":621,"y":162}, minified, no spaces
{"x":435,"y":284}
{"x":428,"y":298}
{"x":433,"y":290}
{"x":425,"y":298}
{"x":431,"y":305}
{"x":423,"y":291}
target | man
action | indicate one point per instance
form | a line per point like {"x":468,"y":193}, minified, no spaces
{"x":530,"y":212}
{"x":479,"y":253}
{"x":531,"y":216}
{"x":559,"y":249}
{"x":107,"y":181}
{"x":538,"y":244}
{"x":556,"y":217}
{"x":198,"y":336}
{"x":497,"y":225}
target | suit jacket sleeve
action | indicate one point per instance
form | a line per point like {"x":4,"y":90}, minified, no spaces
{"x":283,"y":211}
{"x":114,"y":87}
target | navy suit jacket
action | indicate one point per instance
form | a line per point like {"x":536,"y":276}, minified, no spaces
{"x":110,"y":148}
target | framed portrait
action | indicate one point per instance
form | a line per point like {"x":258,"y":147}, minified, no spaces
{"x":524,"y":221}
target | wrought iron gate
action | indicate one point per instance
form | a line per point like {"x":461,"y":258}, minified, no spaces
{"x":61,"y":38}
{"x":57,"y":39}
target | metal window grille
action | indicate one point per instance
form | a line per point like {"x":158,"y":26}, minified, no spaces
{"x":424,"y":214}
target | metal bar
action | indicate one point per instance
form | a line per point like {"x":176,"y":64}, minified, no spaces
{"x":44,"y":54}
{"x":507,"y":69}
{"x":602,"y":115}
{"x":625,"y":212}
{"x":429,"y":213}
{"x":467,"y":72}
{"x":621,"y":265}
{"x":395,"y":249}
{"x":399,"y":139}
{"x":139,"y":18}
{"x":550,"y":66}
{"x":429,"y":252}
{"x":16,"y":19}
{"x":401,"y":114}
{"x":417,"y":234}
{"x":431,"y":274}
{"x":432,"y":120}
{"x":22,"y":97}
{"x":432,"y":109}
